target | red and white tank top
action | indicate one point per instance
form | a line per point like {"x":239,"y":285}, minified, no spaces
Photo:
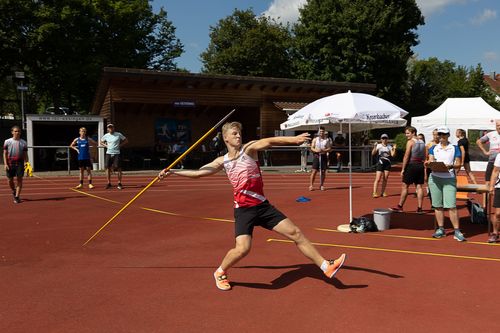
{"x":246,"y":178}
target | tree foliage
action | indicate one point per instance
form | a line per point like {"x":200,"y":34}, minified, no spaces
{"x":63,"y":45}
{"x":357,"y":41}
{"x":243,"y":44}
{"x":431,"y":82}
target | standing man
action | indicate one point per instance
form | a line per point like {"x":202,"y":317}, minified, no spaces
{"x":113,"y":141}
{"x":82,"y":147}
{"x":15,"y":156}
{"x":320,"y":147}
{"x":493,"y":138}
{"x":339,"y":141}
{"x":412,"y":171}
{"x":251,"y":207}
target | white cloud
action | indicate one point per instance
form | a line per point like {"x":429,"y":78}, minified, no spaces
{"x":285,"y":10}
{"x":429,"y":7}
{"x":486,"y":15}
{"x":288,"y":10}
{"x":490,"y":56}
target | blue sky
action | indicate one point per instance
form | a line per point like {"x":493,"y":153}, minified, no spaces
{"x":463,"y":31}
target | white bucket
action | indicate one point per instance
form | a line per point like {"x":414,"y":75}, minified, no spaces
{"x":382,"y":218}
{"x":95,"y":166}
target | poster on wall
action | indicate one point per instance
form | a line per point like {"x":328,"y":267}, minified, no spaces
{"x":172,"y":130}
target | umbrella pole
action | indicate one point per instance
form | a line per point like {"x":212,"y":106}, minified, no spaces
{"x":321,"y":174}
{"x":350,"y":175}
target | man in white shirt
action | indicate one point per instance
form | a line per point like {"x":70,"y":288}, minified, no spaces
{"x":113,"y":141}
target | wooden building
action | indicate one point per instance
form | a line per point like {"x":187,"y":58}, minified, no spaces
{"x":154,"y":108}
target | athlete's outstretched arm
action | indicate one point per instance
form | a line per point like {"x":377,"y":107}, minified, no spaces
{"x":262,"y":144}
{"x":206,"y":170}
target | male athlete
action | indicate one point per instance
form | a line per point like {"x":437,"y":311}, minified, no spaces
{"x":82,"y":147}
{"x":251,"y":207}
{"x":15,"y":157}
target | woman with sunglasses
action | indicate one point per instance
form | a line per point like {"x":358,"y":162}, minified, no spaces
{"x":384,"y":151}
{"x":443,"y":183}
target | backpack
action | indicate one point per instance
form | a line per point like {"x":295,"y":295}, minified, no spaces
{"x":362,"y":224}
{"x":477,"y":213}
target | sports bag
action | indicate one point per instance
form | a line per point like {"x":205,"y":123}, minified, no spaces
{"x":477,"y":213}
{"x":362,"y":224}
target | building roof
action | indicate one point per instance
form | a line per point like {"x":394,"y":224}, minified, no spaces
{"x":264,"y":85}
{"x":493,"y":80}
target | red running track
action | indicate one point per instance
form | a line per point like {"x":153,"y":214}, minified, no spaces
{"x":151,"y":269}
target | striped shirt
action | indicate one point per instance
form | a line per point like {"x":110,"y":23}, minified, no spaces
{"x":246,"y":178}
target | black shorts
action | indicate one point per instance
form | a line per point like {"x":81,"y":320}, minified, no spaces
{"x":113,"y":161}
{"x":324,"y":160}
{"x":15,"y":170}
{"x":264,"y":215}
{"x":414,"y":174}
{"x":383,"y":164}
{"x":496,"y":199}
{"x":84,"y":164}
{"x":489,"y":170}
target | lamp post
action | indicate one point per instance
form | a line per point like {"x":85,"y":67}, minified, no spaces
{"x":22,"y":88}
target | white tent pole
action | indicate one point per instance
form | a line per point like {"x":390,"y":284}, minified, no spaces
{"x":350,"y":175}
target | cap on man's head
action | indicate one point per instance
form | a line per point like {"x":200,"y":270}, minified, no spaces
{"x":339,"y":133}
{"x":110,"y":125}
{"x":443,"y":130}
{"x":384,"y":136}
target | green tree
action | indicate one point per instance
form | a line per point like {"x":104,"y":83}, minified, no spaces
{"x":357,"y":41}
{"x":63,"y":45}
{"x":431,"y":82}
{"x":243,"y":44}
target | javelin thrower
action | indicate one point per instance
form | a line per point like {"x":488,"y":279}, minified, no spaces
{"x":251,"y":207}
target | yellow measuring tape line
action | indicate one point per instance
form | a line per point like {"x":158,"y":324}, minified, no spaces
{"x":156,"y":210}
{"x":410,"y":237}
{"x":392,"y":250}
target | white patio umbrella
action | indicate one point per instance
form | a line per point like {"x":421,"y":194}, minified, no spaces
{"x":359,"y":111}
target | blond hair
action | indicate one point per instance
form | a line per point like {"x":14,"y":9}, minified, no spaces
{"x":234,"y":124}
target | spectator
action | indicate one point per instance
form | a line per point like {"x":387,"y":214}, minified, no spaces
{"x":113,"y":141}
{"x":384,"y":151}
{"x":443,"y":184}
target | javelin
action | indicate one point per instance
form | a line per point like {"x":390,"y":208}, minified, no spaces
{"x":193,"y":146}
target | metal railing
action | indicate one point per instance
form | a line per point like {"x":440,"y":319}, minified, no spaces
{"x":57,"y":158}
{"x":365,"y":157}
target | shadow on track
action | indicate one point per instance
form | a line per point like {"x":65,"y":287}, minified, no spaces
{"x":306,"y":271}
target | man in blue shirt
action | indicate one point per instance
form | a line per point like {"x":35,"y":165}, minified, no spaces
{"x":113,"y":141}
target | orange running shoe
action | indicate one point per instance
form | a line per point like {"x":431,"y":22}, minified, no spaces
{"x":221,"y":281}
{"x":334,"y":265}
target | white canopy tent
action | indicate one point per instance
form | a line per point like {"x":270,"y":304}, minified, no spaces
{"x":471,"y":113}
